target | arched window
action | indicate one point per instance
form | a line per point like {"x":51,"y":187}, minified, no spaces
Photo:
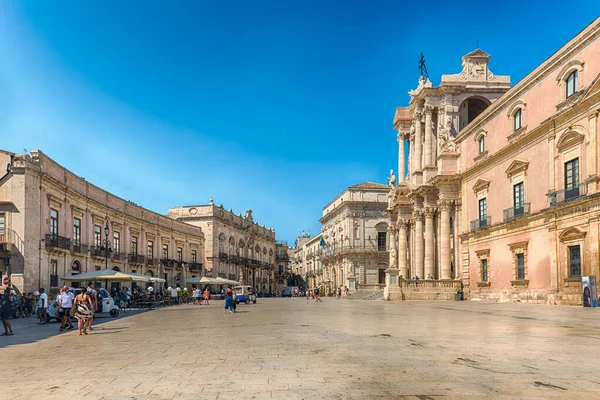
{"x":518,"y":119}
{"x":481,"y":144}
{"x":572,"y":81}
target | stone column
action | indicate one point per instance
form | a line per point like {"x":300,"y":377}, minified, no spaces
{"x":428,"y":137}
{"x":417,"y":160}
{"x":402,"y":247}
{"x":419,"y":269}
{"x":444,"y":207}
{"x":429,"y":248}
{"x":401,"y":158}
{"x":391,"y":275}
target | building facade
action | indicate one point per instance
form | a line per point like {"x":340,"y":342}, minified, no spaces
{"x":237,"y":248}
{"x":54,"y":223}
{"x":501,"y":196}
{"x":355,"y":236}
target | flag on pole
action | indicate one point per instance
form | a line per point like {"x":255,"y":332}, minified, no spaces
{"x":322,"y":242}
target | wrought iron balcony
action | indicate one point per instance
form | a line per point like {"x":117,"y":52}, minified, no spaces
{"x":481,"y":223}
{"x":119,"y":256}
{"x":223,"y":256}
{"x":194,"y":266}
{"x":562,"y":196}
{"x":282,"y":257}
{"x":97,"y":251}
{"x":135,"y":259}
{"x":151,"y":261}
{"x":58,"y":242}
{"x":164,"y":262}
{"x":80,"y":248}
{"x":516,"y":212}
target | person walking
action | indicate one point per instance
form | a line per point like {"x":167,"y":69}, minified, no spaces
{"x":93,"y":296}
{"x":42,"y":306}
{"x":228,"y":300}
{"x":65,"y":304}
{"x":82,"y":310}
{"x":197,"y":296}
{"x":317,"y":298}
{"x":308,"y":290}
{"x":6,"y":311}
{"x":206,"y":296}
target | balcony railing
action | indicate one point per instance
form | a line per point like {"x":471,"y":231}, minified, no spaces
{"x":516,"y":212}
{"x":97,"y":251}
{"x":195,"y":266}
{"x":223,"y":256}
{"x":58,"y":242}
{"x":119,"y":256}
{"x":481,"y":223}
{"x":80,"y":248}
{"x":282,"y":257}
{"x":151,"y":261}
{"x":135,"y":259}
{"x":562,"y":196}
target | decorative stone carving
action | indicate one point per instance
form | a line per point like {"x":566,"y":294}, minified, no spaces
{"x":446,"y":137}
{"x":412,"y":132}
{"x":444,"y":204}
{"x":402,"y":223}
{"x":428,"y":211}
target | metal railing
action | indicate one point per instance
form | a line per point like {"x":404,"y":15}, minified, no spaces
{"x":223,"y":256}
{"x":151,"y":261}
{"x":481,"y":223}
{"x":119,"y":256}
{"x":135,"y":259}
{"x":195,"y":266}
{"x":516,"y":212}
{"x":80,"y":248}
{"x":97,"y":251}
{"x":58,"y":242}
{"x":562,"y":196}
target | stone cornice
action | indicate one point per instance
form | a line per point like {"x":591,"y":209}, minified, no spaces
{"x":532,"y":79}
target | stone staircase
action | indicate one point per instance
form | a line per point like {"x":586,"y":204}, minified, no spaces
{"x":366,"y":295}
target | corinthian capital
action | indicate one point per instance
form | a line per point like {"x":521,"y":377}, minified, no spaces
{"x":417,"y":215}
{"x":418,"y":114}
{"x":428,"y":211}
{"x":428,"y":109}
{"x":402,"y":223}
{"x":445,"y":204}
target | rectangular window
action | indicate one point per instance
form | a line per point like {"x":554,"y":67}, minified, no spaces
{"x":520,"y":266}
{"x":53,"y":273}
{"x":572,"y":84}
{"x":518,"y":198}
{"x":117,"y":242}
{"x":572,"y":179}
{"x":150,"y":249}
{"x":179,"y":254}
{"x":165,"y":253}
{"x":76,"y":231}
{"x":194,"y":256}
{"x":483,"y":212}
{"x":381,"y":241}
{"x":53,"y":222}
{"x":134,"y":245}
{"x":2,"y":224}
{"x":484,"y":270}
{"x":575,"y":261}
{"x":97,"y":236}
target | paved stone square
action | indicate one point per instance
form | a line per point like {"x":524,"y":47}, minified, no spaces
{"x":291,"y":349}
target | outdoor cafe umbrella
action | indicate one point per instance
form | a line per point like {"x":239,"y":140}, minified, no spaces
{"x":149,"y":278}
{"x":223,"y":281}
{"x":107,"y":275}
{"x":202,"y":280}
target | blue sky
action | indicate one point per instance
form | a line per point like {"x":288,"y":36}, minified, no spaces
{"x":273,"y":106}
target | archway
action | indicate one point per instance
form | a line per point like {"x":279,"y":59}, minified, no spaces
{"x":470,"y":109}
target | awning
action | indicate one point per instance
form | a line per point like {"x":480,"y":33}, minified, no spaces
{"x":108,"y":275}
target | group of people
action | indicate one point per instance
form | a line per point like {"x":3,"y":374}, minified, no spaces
{"x":199,"y":295}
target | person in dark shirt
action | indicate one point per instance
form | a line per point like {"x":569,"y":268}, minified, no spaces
{"x":6,"y":311}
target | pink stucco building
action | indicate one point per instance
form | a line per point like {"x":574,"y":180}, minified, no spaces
{"x":501,"y":197}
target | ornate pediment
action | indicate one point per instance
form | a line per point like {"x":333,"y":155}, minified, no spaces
{"x":516,"y":167}
{"x":475,"y":66}
{"x":569,"y":139}
{"x":572,"y":234}
{"x":480,"y":185}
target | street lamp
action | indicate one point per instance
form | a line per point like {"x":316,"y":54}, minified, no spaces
{"x":106,"y":245}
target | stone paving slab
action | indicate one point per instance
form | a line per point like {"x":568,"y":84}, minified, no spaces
{"x":293,"y":349}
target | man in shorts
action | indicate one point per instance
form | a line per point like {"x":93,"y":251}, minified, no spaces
{"x":206,"y":296}
{"x":65,"y":304}
{"x":317,"y":299}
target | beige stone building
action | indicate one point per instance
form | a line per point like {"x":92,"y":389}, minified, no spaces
{"x":352,"y":248}
{"x":236,"y":246}
{"x":54,"y":223}
{"x":355,"y":235}
{"x":501,"y":195}
{"x":283,"y":272}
